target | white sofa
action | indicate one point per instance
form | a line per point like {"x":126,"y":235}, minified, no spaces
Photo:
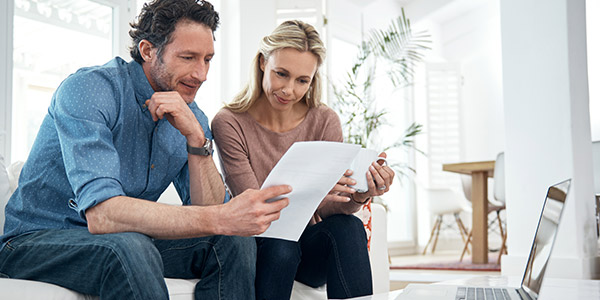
{"x":180,"y":289}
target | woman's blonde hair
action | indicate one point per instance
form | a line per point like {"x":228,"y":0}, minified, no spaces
{"x":290,"y":34}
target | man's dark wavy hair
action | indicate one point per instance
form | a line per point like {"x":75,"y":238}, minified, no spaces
{"x":157,"y":21}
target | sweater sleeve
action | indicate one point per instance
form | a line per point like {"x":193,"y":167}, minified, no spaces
{"x":232,"y":148}
{"x":332,"y":130}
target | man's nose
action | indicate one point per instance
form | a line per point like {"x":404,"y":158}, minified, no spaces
{"x":200,"y":71}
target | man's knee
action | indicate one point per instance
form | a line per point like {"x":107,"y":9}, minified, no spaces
{"x":240,"y":249}
{"x":132,"y":250}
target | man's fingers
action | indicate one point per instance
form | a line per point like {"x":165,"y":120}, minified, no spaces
{"x":274,"y":191}
{"x":278,"y":205}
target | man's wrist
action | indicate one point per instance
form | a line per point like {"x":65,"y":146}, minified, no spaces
{"x":205,"y":150}
{"x":196,"y":138}
{"x":196,"y":141}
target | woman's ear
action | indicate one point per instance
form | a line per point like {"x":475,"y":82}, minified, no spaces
{"x":147,"y":50}
{"x":261,"y":62}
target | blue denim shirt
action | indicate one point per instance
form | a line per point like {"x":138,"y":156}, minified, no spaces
{"x":98,"y":141}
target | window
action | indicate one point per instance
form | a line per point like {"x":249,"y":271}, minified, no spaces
{"x":309,"y":11}
{"x":443,"y":120}
{"x":345,"y":35}
{"x":46,"y":41}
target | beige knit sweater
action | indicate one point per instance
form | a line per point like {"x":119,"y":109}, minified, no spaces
{"x":248,"y":151}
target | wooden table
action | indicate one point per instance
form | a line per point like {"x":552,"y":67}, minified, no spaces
{"x":479,"y":171}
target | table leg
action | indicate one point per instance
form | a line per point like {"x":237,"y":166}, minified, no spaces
{"x":480,"y":209}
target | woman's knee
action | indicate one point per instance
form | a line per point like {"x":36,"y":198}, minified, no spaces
{"x":342,"y":225}
{"x":278,"y":251}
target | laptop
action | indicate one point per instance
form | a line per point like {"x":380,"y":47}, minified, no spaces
{"x":535,"y":269}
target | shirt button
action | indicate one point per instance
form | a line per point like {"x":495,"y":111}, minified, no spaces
{"x":152,"y":166}
{"x":144,"y":106}
{"x":72,"y":203}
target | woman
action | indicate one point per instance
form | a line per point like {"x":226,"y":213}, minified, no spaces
{"x":281,"y":104}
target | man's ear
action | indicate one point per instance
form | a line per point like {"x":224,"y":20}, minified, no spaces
{"x":146,"y":50}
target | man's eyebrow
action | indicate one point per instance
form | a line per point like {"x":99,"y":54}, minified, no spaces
{"x":190,"y":52}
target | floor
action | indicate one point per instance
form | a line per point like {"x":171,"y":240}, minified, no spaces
{"x":400,"y":278}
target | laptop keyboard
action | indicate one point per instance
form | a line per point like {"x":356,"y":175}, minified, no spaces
{"x":480,"y":293}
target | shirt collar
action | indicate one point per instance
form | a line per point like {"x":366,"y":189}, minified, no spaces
{"x":141,"y":85}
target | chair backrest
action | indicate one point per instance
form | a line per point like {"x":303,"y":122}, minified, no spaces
{"x":466,"y":185}
{"x":445,"y":201}
{"x":499,"y":194}
{"x":499,"y":189}
{"x":596,"y":165}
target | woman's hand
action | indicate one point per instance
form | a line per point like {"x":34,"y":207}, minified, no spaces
{"x":341,"y":191}
{"x":379,"y":179}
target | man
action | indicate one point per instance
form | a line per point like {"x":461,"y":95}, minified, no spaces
{"x":84,"y":215}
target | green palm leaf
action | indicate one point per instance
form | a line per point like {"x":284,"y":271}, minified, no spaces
{"x":396,"y":50}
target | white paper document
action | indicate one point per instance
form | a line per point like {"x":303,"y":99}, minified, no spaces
{"x":312,"y":169}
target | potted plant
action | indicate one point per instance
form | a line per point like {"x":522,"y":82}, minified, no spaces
{"x":394,"y":51}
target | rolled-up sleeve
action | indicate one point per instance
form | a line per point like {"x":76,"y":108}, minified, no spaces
{"x":85,"y":110}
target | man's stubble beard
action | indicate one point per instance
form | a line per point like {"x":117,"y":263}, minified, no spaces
{"x":161,"y":76}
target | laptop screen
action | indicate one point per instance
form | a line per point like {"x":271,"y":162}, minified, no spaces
{"x":544,"y":236}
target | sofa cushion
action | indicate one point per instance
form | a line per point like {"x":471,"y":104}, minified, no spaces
{"x":179,"y":289}
{"x":35,"y":290}
{"x":14,"y":171}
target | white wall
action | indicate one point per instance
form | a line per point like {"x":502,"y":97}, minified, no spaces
{"x":593,"y":46}
{"x":465,"y":33}
{"x":6,"y":63}
{"x":244,"y":23}
{"x":345,"y":21}
{"x":468,"y":33}
{"x":547,"y":130}
{"x":473,"y":39}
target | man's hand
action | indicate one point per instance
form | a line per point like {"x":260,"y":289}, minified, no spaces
{"x":249,"y":214}
{"x":172,"y":106}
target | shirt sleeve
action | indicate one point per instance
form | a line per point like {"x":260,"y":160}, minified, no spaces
{"x":84,"y":110}
{"x":233,"y":153}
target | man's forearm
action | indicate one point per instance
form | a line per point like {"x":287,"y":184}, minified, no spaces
{"x":162,"y":221}
{"x":206,"y":184}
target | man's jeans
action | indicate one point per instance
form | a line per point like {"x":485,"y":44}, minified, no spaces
{"x":132,"y":265}
{"x":333,"y":251}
